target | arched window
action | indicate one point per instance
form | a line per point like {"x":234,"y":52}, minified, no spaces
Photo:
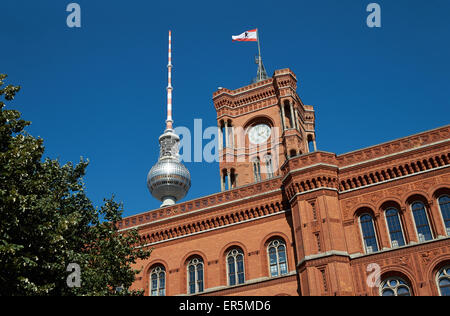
{"x":158,"y":281}
{"x":444,"y":205}
{"x":235,"y":265}
{"x":394,"y":227}
{"x":257,"y":169}
{"x":421,"y":221}
{"x":195,"y":275}
{"x":311,"y":147}
{"x":443,"y":281}
{"x":233,"y":178}
{"x":277,"y":258}
{"x":395,"y":287}
{"x":289,"y":119}
{"x":368,"y":232}
{"x":269,"y":166}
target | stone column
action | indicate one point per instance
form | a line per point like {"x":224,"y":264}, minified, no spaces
{"x":314,"y":143}
{"x":227,"y":140}
{"x":222,"y":181}
{"x":294,"y":124}
{"x":296,"y":120}
{"x":229,"y":178}
{"x":436,"y":219}
{"x":282,"y":118}
{"x":220,"y":138}
{"x":232,"y":136}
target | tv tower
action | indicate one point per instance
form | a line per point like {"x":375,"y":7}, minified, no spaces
{"x":169,"y":180}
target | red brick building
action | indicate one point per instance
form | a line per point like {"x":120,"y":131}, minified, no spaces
{"x":292,"y":220}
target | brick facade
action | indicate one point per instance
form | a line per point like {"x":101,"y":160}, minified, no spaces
{"x":312,"y":202}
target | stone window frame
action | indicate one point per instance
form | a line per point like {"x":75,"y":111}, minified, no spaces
{"x":158,"y":270}
{"x":362,"y":233}
{"x":400,"y":222}
{"x":446,"y":275}
{"x":400,"y":283}
{"x":271,"y":244}
{"x":195,"y":262}
{"x":447,"y":230}
{"x":256,"y":164}
{"x":426,"y":210}
{"x":234,"y":252}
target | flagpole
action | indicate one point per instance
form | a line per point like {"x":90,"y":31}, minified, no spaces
{"x":259,"y":54}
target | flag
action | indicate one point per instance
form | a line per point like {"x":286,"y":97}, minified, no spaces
{"x":247,"y":36}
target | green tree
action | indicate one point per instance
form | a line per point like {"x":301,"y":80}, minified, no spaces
{"x":48,"y":222}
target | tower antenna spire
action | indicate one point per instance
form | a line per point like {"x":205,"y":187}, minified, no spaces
{"x":169,"y":121}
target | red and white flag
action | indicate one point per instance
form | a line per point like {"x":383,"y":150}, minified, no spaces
{"x":247,"y":36}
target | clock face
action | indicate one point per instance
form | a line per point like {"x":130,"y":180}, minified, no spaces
{"x":259,"y":134}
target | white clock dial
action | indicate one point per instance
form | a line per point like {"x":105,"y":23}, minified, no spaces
{"x":259,"y":134}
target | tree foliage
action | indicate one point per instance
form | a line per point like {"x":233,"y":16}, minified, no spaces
{"x":48,"y":222}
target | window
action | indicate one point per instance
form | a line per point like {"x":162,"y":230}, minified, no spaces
{"x":269,"y":168}
{"x":443,"y":281}
{"x":235,"y":261}
{"x":444,"y":205}
{"x":421,"y":220}
{"x":311,"y":144}
{"x":277,"y":258}
{"x":368,"y":232}
{"x":394,"y":227}
{"x":195,"y":275}
{"x":289,"y":119}
{"x":394,"y":287}
{"x":257,"y":170}
{"x":158,"y":281}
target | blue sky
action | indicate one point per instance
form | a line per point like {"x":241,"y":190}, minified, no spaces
{"x":99,"y":91}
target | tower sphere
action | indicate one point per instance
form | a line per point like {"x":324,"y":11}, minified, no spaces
{"x":169,"y":180}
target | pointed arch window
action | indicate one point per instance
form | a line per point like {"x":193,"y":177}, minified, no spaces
{"x":269,"y":166}
{"x":444,"y":205}
{"x":195,"y":275}
{"x":235,"y":266}
{"x":276,"y":251}
{"x":421,"y":221}
{"x":158,"y":281}
{"x":257,"y":169}
{"x":394,"y":227}
{"x":443,"y":281}
{"x":368,"y":232}
{"x":395,"y":287}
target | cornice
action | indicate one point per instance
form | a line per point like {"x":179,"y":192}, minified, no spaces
{"x":369,"y":161}
{"x":412,"y":142}
{"x":394,"y":179}
{"x":332,"y":253}
{"x":390,"y":252}
{"x":213,"y":229}
{"x":205,"y":203}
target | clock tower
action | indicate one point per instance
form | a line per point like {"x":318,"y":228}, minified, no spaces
{"x":261,"y":126}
